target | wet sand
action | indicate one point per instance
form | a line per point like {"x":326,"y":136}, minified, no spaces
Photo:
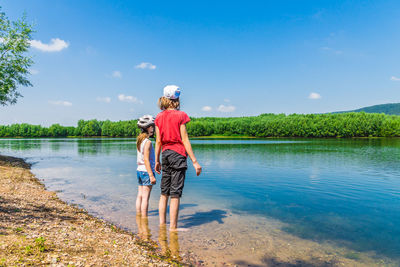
{"x":37,"y":228}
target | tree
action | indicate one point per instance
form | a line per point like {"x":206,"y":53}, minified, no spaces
{"x":15,"y":39}
{"x":91,"y":128}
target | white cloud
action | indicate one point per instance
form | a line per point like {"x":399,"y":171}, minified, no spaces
{"x":33,"y":71}
{"x":223,"y":108}
{"x":146,"y":65}
{"x":314,"y":96}
{"x":206,"y":108}
{"x":393,"y":78}
{"x":103,"y":99}
{"x":227,"y":100}
{"x":129,"y":99}
{"x":55,"y":45}
{"x":61,"y":103}
{"x":116,"y":74}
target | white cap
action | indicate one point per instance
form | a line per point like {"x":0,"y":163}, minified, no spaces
{"x":172,"y":91}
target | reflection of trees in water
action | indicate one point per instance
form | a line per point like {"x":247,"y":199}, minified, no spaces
{"x":106,"y":146}
{"x":55,"y":145}
{"x":91,"y":146}
{"x":21,"y":144}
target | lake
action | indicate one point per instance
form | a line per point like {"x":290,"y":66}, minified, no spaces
{"x":258,"y":201}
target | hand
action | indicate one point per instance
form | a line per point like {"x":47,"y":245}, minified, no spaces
{"x":152,"y":179}
{"x":197,"y":167}
{"x":158,"y":167}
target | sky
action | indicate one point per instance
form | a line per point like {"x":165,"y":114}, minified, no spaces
{"x":98,"y":59}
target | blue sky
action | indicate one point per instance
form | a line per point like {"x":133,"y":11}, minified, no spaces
{"x":111,"y":59}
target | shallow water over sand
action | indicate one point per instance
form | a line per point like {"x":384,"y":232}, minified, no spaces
{"x":258,"y":202}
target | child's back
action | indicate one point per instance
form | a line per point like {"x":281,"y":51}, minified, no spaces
{"x":168,"y":123}
{"x":172,"y":137}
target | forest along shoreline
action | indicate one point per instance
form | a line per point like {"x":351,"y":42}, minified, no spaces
{"x":37,"y":228}
{"x":341,"y":125}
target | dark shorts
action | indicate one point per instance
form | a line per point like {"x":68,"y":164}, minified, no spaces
{"x":173,"y":173}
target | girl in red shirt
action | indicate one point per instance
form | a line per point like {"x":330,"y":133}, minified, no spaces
{"x":173,"y":140}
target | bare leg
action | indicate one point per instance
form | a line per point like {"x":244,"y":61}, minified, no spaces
{"x":139,"y":199}
{"x":173,"y":213}
{"x":146,"y":190}
{"x":162,"y":209}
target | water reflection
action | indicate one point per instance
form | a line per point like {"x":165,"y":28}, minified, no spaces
{"x":20,"y":144}
{"x":143,"y":227}
{"x":106,"y":146}
{"x":55,"y":145}
{"x":171,"y":249}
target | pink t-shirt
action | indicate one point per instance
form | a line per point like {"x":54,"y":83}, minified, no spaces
{"x":169,"y":123}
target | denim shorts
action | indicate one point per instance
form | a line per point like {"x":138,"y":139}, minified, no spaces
{"x":143,"y":178}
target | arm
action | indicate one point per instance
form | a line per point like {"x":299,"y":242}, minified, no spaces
{"x":158,"y":150}
{"x":189,"y":150}
{"x":147,"y":162}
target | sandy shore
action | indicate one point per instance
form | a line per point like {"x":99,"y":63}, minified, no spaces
{"x":37,"y":228}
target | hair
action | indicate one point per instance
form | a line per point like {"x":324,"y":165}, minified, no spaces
{"x":143,"y":135}
{"x":166,"y":103}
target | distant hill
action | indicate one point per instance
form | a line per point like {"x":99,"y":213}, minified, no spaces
{"x":390,"y":109}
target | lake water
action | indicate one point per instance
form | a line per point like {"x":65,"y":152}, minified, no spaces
{"x":258,"y":202}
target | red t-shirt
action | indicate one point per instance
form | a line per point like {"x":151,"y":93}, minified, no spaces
{"x":169,"y":123}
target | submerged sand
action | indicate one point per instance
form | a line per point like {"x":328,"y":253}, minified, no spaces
{"x":37,"y":228}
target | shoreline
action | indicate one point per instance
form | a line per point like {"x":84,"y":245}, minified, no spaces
{"x":38,"y":228}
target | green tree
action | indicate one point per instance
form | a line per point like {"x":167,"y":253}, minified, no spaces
{"x":91,"y":128}
{"x":15,"y":39}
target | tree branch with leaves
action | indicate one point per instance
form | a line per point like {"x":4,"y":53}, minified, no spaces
{"x":15,"y":37}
